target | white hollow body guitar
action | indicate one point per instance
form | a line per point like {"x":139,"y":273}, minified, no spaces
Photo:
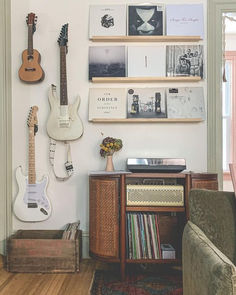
{"x":63,"y":122}
{"x":31,"y":203}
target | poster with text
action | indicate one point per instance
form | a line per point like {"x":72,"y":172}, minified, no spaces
{"x":185,"y":20}
{"x":107,"y":103}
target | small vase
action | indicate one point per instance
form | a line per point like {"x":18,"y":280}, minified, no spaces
{"x":109,"y":166}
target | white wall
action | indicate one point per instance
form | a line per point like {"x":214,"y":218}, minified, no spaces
{"x":70,"y":199}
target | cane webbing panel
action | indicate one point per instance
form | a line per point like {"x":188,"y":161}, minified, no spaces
{"x":104,"y":217}
{"x":155,"y":195}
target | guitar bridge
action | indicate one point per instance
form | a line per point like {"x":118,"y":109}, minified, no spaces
{"x":30,"y":69}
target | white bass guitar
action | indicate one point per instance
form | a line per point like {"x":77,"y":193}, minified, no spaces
{"x":63,"y":122}
{"x":31,"y":203}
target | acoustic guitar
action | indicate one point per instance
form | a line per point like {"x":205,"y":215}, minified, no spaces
{"x":31,"y":203}
{"x":30,"y":70}
{"x":63,"y":123}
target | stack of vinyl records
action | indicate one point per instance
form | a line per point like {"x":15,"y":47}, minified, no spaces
{"x":143,"y":239}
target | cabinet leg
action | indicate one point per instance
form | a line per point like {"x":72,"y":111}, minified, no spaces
{"x":122,"y":271}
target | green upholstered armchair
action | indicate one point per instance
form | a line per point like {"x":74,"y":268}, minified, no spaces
{"x":209,"y":244}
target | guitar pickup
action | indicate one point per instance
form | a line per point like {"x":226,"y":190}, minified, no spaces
{"x":30,"y":69}
{"x":64,"y":123}
{"x":32,"y":205}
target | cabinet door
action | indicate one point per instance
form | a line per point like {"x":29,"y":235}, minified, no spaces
{"x":104,"y":217}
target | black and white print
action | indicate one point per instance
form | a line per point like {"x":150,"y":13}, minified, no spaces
{"x":185,"y":60}
{"x":106,"y":61}
{"x":146,"y":103}
{"x":107,"y":20}
{"x":145,"y":20}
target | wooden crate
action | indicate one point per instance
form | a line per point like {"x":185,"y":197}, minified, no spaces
{"x":43,"y":251}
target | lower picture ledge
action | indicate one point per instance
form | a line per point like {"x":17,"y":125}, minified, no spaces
{"x":153,"y":120}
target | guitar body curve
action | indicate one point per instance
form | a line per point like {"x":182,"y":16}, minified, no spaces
{"x":30,"y":70}
{"x":31,"y":203}
{"x":57,"y":132}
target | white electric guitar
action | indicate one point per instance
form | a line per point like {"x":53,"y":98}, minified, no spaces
{"x":31,"y":203}
{"x":63,"y":122}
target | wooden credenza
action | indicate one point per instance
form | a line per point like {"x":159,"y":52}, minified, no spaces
{"x":108,"y":210}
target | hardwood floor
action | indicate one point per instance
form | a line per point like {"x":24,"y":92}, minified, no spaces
{"x":48,"y":284}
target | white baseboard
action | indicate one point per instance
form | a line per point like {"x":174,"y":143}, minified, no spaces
{"x":85,"y":244}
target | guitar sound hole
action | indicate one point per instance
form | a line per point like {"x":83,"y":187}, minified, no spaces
{"x":30,"y":57}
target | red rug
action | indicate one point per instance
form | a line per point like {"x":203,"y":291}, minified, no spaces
{"x":137,"y":283}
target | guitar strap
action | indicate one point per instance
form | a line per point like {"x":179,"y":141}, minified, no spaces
{"x":68,"y":164}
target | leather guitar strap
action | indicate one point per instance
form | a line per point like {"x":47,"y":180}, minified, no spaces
{"x":68,"y":164}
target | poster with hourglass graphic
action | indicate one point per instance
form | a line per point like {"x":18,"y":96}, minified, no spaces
{"x":107,"y":61}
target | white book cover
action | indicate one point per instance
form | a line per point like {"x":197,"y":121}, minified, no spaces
{"x":185,"y":20}
{"x":185,"y":102}
{"x":107,"y":20}
{"x":146,"y":61}
{"x":146,"y":19}
{"x":146,"y":103}
{"x":107,"y":103}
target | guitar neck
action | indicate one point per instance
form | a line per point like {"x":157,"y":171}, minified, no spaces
{"x":31,"y":168}
{"x":63,"y":78}
{"x":30,"y":40}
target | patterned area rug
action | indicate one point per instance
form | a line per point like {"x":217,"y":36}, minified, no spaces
{"x":137,"y":283}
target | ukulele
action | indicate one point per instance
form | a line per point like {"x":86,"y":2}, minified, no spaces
{"x":31,"y":203}
{"x":63,"y":122}
{"x":30,"y":70}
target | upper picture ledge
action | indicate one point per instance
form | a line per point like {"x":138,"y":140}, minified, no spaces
{"x":146,"y":38}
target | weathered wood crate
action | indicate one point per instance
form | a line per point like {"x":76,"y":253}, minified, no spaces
{"x":43,"y":251}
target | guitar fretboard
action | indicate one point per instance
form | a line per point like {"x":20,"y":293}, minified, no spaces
{"x":30,"y":40}
{"x":31,"y":168}
{"x":63,"y":78}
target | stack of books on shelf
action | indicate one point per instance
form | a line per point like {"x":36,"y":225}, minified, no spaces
{"x":143,"y":239}
{"x":71,"y":230}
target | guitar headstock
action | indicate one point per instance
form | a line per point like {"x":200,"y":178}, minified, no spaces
{"x":32,"y":120}
{"x":31,"y":19}
{"x":63,"y":38}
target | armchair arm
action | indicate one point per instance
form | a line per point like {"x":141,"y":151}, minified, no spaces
{"x":214,"y":212}
{"x":206,"y":270}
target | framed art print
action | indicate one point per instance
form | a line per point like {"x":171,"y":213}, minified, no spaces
{"x":107,"y":61}
{"x":107,"y":20}
{"x":146,"y":103}
{"x":146,"y":20}
{"x":107,"y":103}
